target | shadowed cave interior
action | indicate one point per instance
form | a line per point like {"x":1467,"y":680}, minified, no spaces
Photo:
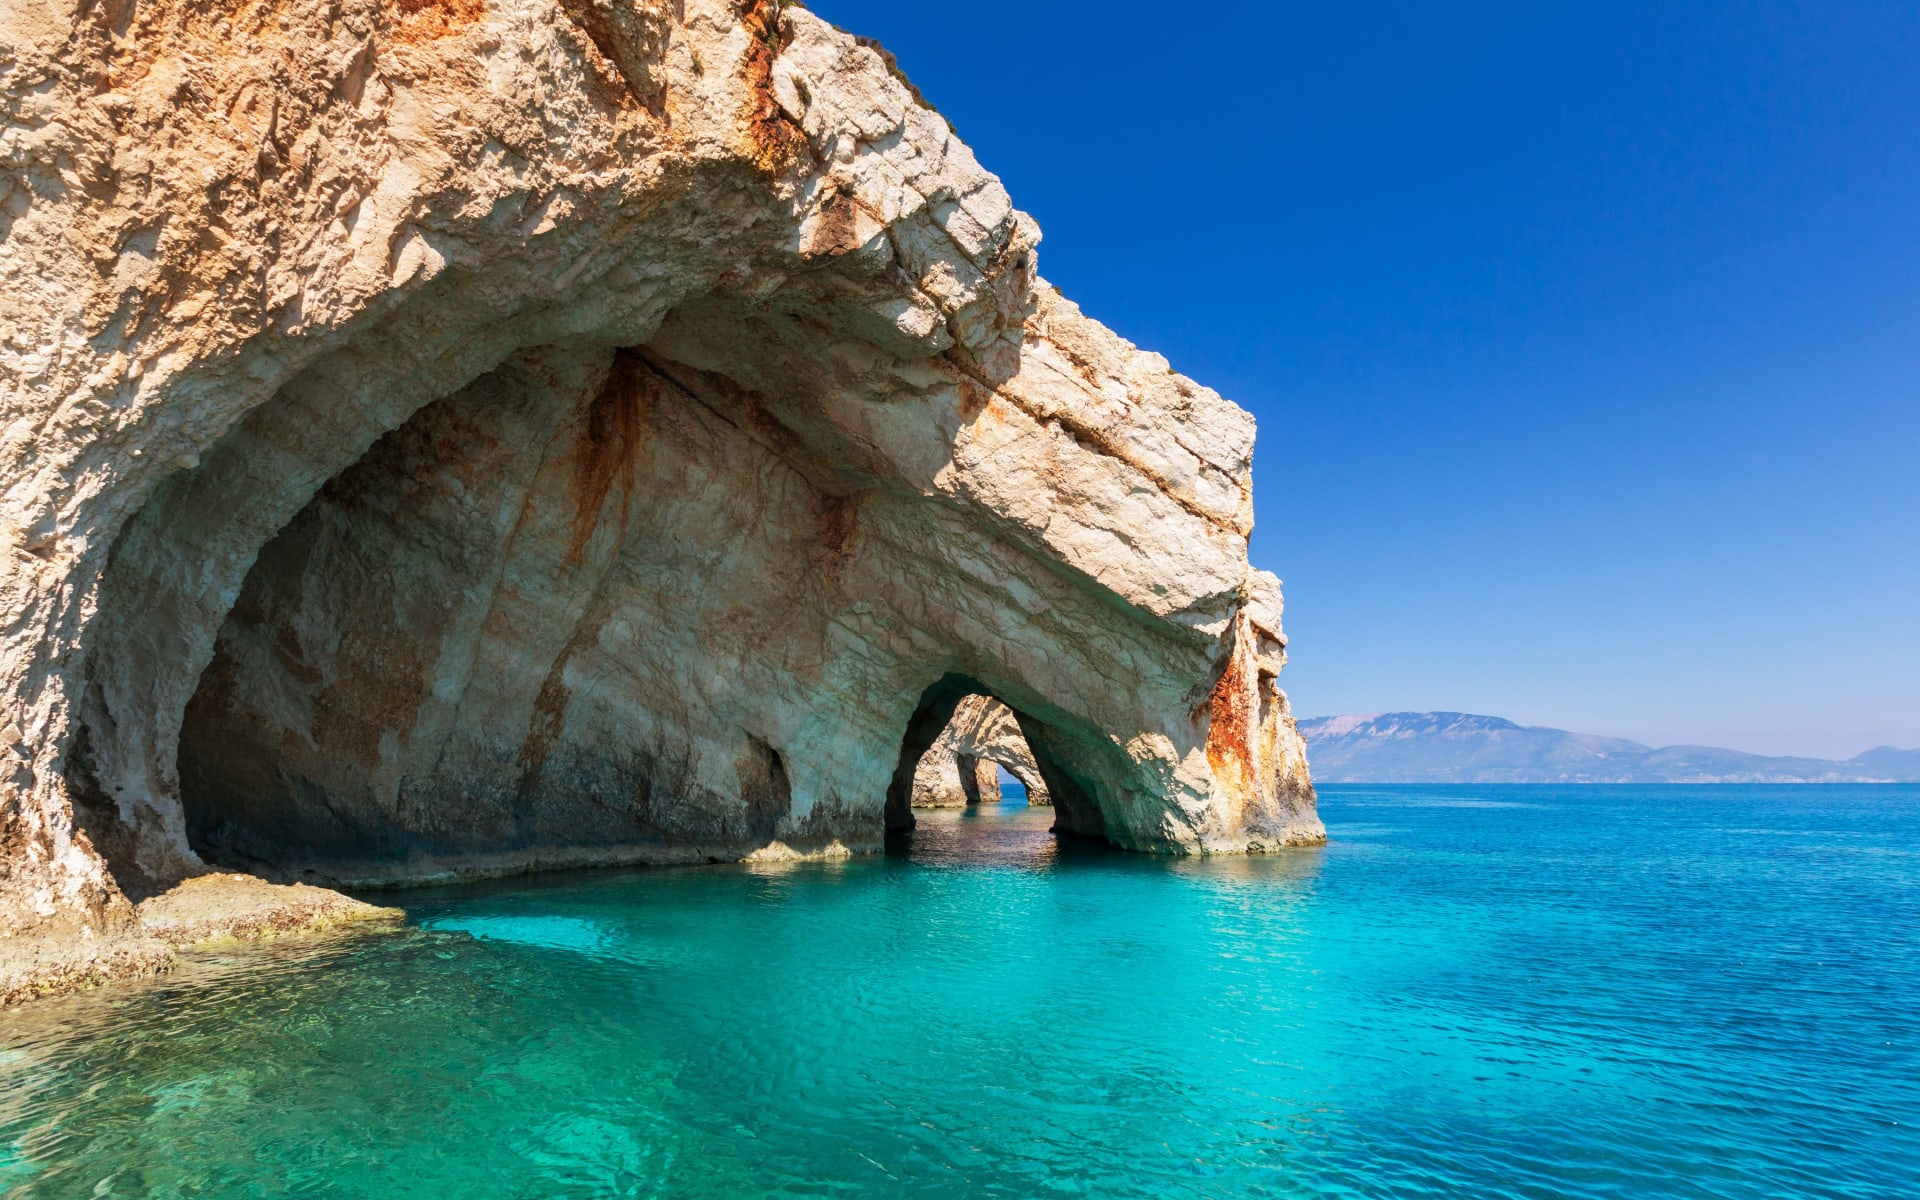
{"x":1075,"y":812}
{"x":526,"y":626}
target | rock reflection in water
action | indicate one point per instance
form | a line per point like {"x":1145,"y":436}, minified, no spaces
{"x":988,"y":835}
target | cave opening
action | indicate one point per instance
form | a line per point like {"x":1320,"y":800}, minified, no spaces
{"x":455,"y":655}
{"x":532,"y":625}
{"x":963,"y":745}
{"x":981,"y":757}
{"x":582,"y":604}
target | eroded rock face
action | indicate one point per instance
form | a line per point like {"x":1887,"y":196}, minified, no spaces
{"x":453,"y":436}
{"x":961,"y":767}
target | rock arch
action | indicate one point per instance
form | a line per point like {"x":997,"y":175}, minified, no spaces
{"x":962,"y":766}
{"x":1076,"y":801}
{"x":405,"y":476}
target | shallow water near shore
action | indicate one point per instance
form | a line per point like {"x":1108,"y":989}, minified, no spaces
{"x":1472,"y":991}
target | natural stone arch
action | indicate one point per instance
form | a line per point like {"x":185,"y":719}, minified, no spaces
{"x":728,"y":262}
{"x":962,"y":767}
{"x":1077,"y":807}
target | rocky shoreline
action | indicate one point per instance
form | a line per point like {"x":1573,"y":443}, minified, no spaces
{"x":204,"y":910}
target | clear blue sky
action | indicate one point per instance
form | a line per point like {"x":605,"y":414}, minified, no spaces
{"x":1584,"y":340}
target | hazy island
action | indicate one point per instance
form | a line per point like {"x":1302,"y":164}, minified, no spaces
{"x":1451,"y":747}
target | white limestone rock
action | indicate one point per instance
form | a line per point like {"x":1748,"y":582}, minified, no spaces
{"x":465,"y":436}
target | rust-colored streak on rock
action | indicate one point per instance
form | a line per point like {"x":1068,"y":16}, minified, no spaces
{"x":549,"y":718}
{"x":429,"y":20}
{"x":778,"y":145}
{"x":608,"y":447}
{"x":973,"y":400}
{"x":1233,"y":712}
{"x":551,"y":702}
{"x":626,"y":41}
{"x":839,"y":531}
{"x":838,"y":230}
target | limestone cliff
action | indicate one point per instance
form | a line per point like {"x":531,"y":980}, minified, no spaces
{"x":467,"y":435}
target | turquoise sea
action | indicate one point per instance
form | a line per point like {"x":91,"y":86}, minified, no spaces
{"x":1472,"y":991}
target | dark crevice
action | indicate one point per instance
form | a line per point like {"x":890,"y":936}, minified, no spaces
{"x":765,"y":788}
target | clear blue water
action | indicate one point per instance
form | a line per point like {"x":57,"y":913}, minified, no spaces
{"x":1471,"y":992}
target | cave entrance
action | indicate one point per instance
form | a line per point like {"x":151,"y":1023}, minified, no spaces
{"x":965,"y":747}
{"x":981,"y":757}
{"x":389,"y":689}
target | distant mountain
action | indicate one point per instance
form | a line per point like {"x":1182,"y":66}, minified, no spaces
{"x":1889,"y":763}
{"x":1447,"y":747}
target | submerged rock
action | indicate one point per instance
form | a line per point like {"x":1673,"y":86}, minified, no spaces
{"x":447,"y":438}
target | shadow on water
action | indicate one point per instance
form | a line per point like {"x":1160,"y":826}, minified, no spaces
{"x":991,"y":835}
{"x":1020,"y":837}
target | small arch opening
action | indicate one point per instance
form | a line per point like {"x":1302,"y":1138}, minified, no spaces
{"x":981,"y":757}
{"x":965,"y":747}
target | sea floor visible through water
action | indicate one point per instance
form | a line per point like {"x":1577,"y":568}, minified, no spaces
{"x":1471,"y":991}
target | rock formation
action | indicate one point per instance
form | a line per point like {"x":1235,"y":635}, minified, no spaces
{"x":455,"y":436}
{"x":962,"y":765}
{"x":218,"y":907}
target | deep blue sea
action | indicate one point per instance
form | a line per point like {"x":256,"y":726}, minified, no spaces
{"x":1471,"y":991}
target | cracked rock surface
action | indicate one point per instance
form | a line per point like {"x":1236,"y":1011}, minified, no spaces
{"x":449,"y":437}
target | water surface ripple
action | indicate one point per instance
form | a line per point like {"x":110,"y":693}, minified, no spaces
{"x":1470,"y":992}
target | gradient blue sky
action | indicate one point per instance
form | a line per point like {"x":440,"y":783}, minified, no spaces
{"x":1584,"y":340}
